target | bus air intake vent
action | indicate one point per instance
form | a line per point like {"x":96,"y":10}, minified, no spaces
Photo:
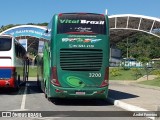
{"x":81,"y":59}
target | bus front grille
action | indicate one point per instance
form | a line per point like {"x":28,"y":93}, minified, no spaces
{"x":81,"y":59}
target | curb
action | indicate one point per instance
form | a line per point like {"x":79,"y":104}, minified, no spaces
{"x":127,"y":107}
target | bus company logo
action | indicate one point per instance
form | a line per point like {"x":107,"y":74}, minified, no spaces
{"x":67,"y":21}
{"x":80,"y":40}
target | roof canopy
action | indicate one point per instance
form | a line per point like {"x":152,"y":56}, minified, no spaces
{"x":124,"y":25}
{"x":27,"y":30}
{"x":121,"y":26}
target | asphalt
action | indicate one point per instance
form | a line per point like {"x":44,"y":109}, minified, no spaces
{"x":134,"y":97}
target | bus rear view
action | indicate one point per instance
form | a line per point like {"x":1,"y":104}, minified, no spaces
{"x":79,"y":56}
{"x":6,"y":68}
{"x":12,"y":62}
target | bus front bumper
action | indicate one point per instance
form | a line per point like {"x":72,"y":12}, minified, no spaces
{"x":7,"y":83}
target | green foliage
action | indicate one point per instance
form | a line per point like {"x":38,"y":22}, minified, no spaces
{"x":32,"y":71}
{"x":156,"y":64}
{"x":123,"y":74}
{"x":32,"y":51}
{"x":144,"y":60}
{"x":125,"y":67}
{"x":140,"y":45}
{"x":136,"y":72}
{"x":115,"y":72}
{"x":3,"y":28}
{"x":39,"y":24}
{"x":156,"y":72}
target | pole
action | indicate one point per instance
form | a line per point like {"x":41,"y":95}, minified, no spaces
{"x":127,"y":47}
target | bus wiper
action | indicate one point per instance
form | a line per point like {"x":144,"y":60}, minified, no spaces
{"x":82,"y":33}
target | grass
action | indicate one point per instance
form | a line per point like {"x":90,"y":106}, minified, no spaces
{"x":123,"y":74}
{"x":155,"y":82}
{"x":32,"y":71}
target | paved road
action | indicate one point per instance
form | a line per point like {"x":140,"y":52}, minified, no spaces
{"x":141,"y":96}
{"x":31,"y":98}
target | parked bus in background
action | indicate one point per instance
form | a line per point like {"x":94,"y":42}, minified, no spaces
{"x":13,"y":63}
{"x":131,"y":63}
{"x":75,"y":59}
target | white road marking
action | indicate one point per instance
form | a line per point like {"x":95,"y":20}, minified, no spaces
{"x":19,"y":110}
{"x":24,"y":98}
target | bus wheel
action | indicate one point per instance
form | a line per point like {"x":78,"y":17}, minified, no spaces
{"x":18,"y":80}
{"x":49,"y":99}
{"x":16,"y":88}
{"x":45,"y":92}
{"x":37,"y":80}
{"x":56,"y":101}
{"x":18,"y":83}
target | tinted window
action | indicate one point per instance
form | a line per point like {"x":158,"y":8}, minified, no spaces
{"x":19,"y":50}
{"x":81,"y":24}
{"x":5,"y":44}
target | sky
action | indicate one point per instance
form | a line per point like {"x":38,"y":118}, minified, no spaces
{"x":39,"y":11}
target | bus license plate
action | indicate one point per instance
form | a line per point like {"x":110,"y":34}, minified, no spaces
{"x":80,"y":93}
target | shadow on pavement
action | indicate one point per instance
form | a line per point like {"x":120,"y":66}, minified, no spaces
{"x":118,"y":95}
{"x":33,"y":88}
{"x":81,"y":102}
{"x":8,"y":91}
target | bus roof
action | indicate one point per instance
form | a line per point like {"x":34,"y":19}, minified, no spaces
{"x":6,"y":36}
{"x":80,"y":13}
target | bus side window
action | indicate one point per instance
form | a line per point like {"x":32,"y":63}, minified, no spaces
{"x":23,"y":53}
{"x":19,"y":51}
{"x":16,"y":50}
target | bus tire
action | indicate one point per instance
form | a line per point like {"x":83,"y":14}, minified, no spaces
{"x":56,"y":101}
{"x":45,"y":92}
{"x":18,"y":80}
{"x":18,"y":83}
{"x":16,"y":88}
{"x":37,"y":80}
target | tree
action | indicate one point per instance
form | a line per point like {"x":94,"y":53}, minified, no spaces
{"x":140,"y":44}
{"x":142,"y":47}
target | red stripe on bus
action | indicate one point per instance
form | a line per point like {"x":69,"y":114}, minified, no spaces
{"x":7,"y":83}
{"x":7,"y":67}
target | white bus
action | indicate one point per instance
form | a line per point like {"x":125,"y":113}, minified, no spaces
{"x":131,"y":63}
{"x":13,"y":63}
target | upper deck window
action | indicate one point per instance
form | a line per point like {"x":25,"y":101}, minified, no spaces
{"x":5,"y":44}
{"x":81,"y":24}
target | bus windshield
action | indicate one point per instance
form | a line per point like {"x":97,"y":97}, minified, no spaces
{"x":81,"y":24}
{"x":5,"y":44}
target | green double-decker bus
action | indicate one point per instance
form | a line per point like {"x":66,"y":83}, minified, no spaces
{"x":75,"y":58}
